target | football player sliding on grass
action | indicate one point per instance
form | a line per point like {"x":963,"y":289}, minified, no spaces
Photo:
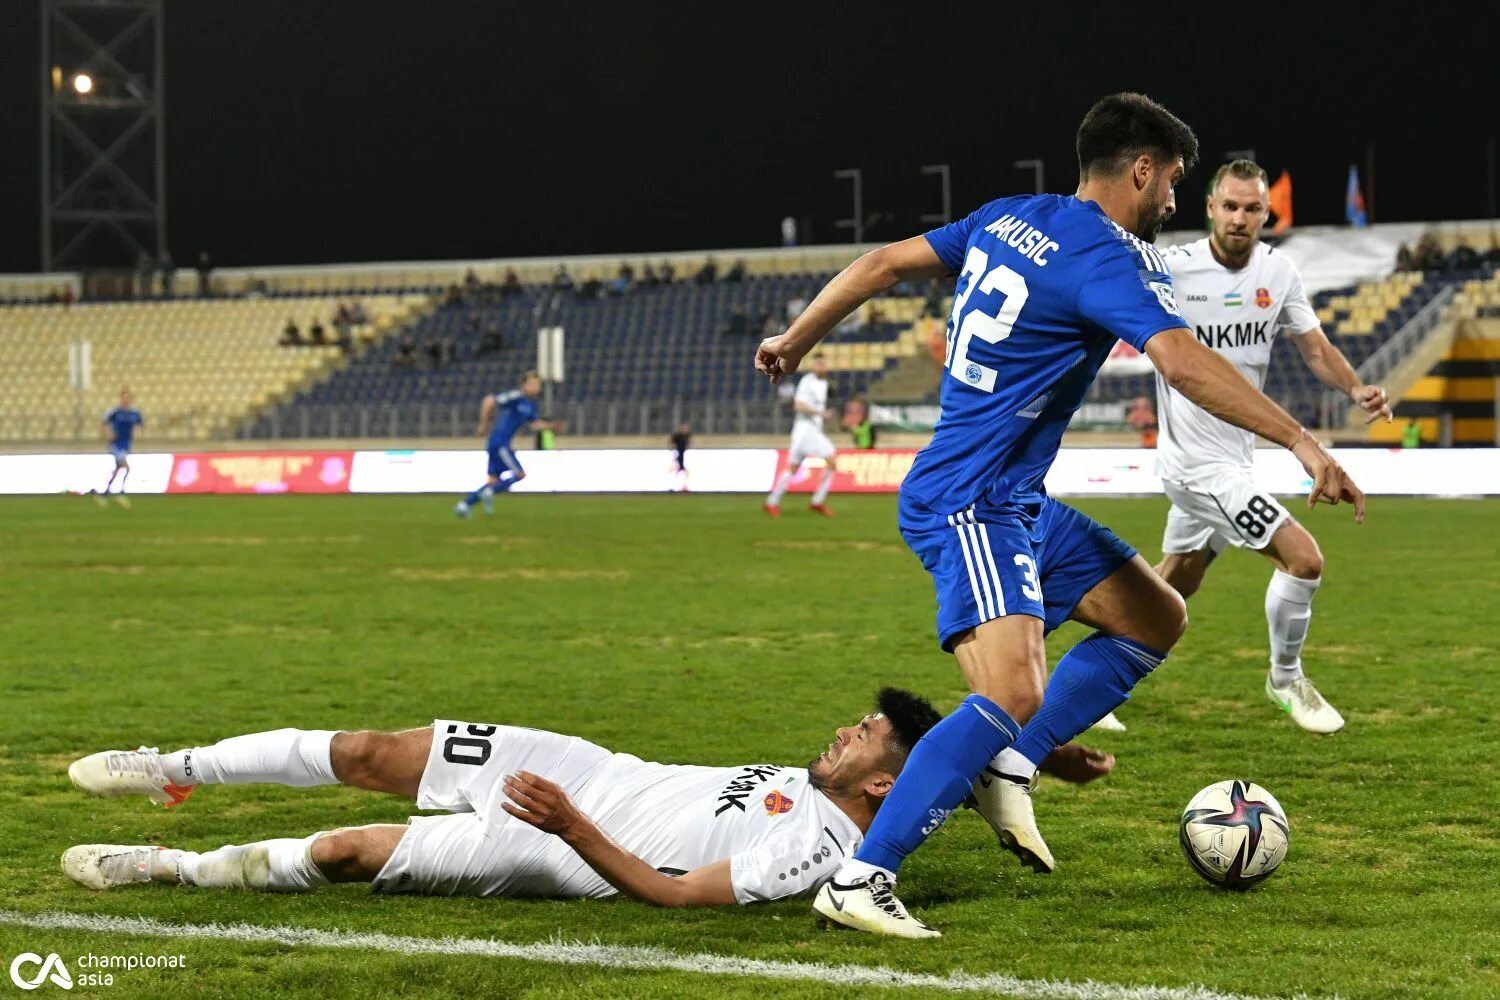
{"x":530,"y":813}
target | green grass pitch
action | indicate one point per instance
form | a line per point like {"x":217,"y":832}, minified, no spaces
{"x":693,"y":629}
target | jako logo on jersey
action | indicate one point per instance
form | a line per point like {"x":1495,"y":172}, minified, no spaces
{"x":1233,"y":300}
{"x":1234,"y":334}
{"x":1031,"y":242}
{"x":1263,"y":298}
{"x":776,"y":804}
{"x":936,"y":818}
{"x":52,"y":964}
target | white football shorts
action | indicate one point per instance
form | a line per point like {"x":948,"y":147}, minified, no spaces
{"x":809,"y":442}
{"x":1220,"y":511}
{"x":481,"y":850}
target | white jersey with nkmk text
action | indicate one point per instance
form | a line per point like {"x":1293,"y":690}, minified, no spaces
{"x":812,"y":393}
{"x":782,"y":836}
{"x":1237,"y":313}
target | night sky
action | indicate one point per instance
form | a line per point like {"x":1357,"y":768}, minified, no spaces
{"x":381,"y":130}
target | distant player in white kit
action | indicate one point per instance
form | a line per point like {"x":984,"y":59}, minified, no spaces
{"x":808,"y":440}
{"x":1237,"y":294}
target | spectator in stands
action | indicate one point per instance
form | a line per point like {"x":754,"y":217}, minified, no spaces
{"x":737,"y":272}
{"x":145,"y":267}
{"x":795,"y":306}
{"x":205,"y":273}
{"x":1463,"y":257}
{"x":1142,"y":416}
{"x":667,"y":273}
{"x":491,"y":341}
{"x":406,"y":354}
{"x":434,"y":351}
{"x":1429,"y":254}
{"x":561,"y":279}
{"x":934,"y":304}
{"x":623,"y":281}
{"x":1405,"y":259}
{"x":357,"y":313}
{"x":1492,"y":255}
{"x":739,"y":322}
{"x":511,"y":284}
{"x":291,"y":335}
{"x":708,"y":273}
{"x":472,"y":284}
{"x":167,"y":272}
{"x":317,"y":333}
{"x":454,"y":296}
{"x":648,"y":277}
{"x":591,"y":288}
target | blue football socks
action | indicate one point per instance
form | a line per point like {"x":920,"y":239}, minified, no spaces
{"x":938,"y":776}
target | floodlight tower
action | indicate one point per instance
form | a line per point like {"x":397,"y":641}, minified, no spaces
{"x":104,"y":184}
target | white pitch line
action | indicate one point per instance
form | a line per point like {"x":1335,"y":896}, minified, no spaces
{"x":619,"y":957}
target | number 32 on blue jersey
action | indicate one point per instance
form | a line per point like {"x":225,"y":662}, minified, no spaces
{"x":964,"y":329}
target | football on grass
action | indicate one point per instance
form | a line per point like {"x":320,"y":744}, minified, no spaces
{"x":1234,"y":833}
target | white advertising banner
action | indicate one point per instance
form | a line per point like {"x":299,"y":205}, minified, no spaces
{"x":1076,"y":472}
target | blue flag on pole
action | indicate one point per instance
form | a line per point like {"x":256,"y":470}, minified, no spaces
{"x":1354,"y":201}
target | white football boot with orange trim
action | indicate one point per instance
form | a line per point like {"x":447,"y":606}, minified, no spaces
{"x":112,"y":773}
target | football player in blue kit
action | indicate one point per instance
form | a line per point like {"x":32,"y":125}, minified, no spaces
{"x":1046,"y":285}
{"x":119,"y":426}
{"x":502,"y":416}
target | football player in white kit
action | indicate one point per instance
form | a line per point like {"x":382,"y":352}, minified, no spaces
{"x":1237,"y":294}
{"x":808,"y":439}
{"x":529,"y":813}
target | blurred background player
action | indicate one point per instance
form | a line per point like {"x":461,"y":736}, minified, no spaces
{"x":531,"y":813}
{"x":680,"y":441}
{"x":1237,"y":294}
{"x":810,"y":405}
{"x":119,"y":426}
{"x":502,"y":416}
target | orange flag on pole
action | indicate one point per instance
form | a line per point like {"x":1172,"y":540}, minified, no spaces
{"x":1281,"y":202}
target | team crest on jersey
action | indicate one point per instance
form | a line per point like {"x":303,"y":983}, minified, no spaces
{"x":777,"y":804}
{"x":1263,"y":298}
{"x":1233,"y":300}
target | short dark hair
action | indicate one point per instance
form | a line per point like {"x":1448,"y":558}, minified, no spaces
{"x":1245,"y":170}
{"x":1121,"y":127}
{"x":910,"y":717}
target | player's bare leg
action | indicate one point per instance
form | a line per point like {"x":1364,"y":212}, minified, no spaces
{"x":1138,"y":619}
{"x":772,"y":504}
{"x":1299,"y":572}
{"x":1006,"y":661}
{"x":1076,"y":763}
{"x":819,"y":503}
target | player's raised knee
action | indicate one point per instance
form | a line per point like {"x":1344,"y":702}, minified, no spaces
{"x":359,"y":757}
{"x":350,"y":854}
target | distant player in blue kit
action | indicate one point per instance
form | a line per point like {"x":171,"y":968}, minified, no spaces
{"x":502,"y":416}
{"x":1046,"y":285}
{"x":119,"y":426}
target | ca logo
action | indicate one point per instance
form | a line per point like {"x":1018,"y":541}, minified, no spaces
{"x":52,"y":964}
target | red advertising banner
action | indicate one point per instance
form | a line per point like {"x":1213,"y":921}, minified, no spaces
{"x":261,"y":472}
{"x":879,"y":470}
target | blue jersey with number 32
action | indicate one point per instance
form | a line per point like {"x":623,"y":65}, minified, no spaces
{"x":1046,"y":284}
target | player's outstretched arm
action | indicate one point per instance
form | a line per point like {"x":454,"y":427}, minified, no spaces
{"x":1216,"y":385}
{"x":546,"y":806}
{"x":871,"y":274}
{"x":1334,"y":370}
{"x":486,"y":416}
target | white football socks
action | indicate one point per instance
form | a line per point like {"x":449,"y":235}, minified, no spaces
{"x":781,"y":484}
{"x":1014,"y":763}
{"x":854,"y":871}
{"x":283,"y":865}
{"x":1288,"y":613}
{"x":825,"y":485}
{"x":296,"y":757}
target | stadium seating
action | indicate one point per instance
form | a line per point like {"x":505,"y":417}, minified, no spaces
{"x":685,"y":341}
{"x":197,"y":367}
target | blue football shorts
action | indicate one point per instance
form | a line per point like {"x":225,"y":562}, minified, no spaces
{"x":503,"y":460}
{"x":990,"y":561}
